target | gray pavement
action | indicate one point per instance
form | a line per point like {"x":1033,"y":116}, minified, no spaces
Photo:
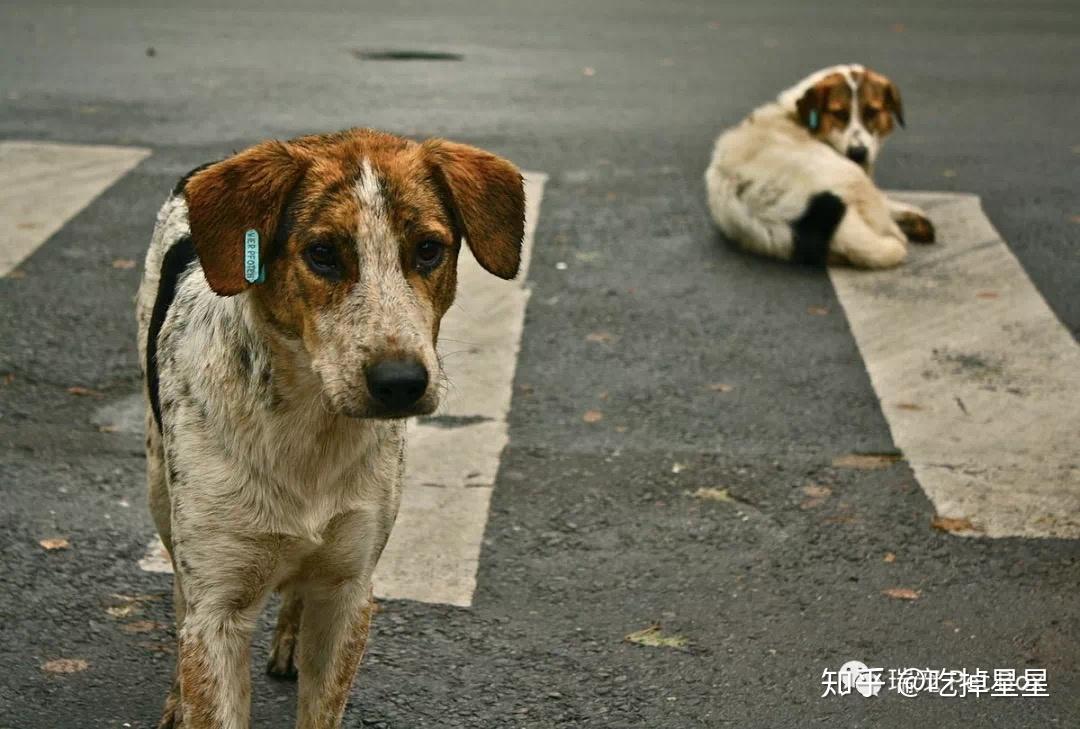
{"x":592,"y":533}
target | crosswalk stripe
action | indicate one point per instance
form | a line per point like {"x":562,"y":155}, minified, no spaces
{"x":979,"y":381}
{"x":452,"y":457}
{"x":44,"y":184}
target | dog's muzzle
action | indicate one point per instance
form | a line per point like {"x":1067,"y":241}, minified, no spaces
{"x":396,"y":385}
{"x":858,"y":154}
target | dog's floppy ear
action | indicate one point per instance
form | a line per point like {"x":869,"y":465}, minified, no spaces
{"x":488,"y":198}
{"x":227,"y":199}
{"x":811,"y":106}
{"x":893,"y":102}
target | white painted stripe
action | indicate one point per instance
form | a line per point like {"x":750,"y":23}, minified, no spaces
{"x":452,"y":459}
{"x":979,"y":381}
{"x":434,"y":549}
{"x":43,"y":185}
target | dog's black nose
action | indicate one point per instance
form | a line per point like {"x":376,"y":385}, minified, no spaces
{"x":858,"y":155}
{"x":397,"y":383}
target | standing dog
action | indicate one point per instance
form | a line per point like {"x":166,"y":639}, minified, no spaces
{"x":793,"y":180}
{"x":287,"y":318}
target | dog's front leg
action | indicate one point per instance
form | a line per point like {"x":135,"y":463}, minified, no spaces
{"x":225,"y":584}
{"x":333,"y":635}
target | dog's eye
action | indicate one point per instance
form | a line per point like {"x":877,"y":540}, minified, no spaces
{"x":429,"y":254}
{"x":842,"y":115}
{"x":869,"y":112}
{"x":322,"y":259}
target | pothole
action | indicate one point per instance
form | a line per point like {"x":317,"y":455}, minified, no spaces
{"x":404,"y":54}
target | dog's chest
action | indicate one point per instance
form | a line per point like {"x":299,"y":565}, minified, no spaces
{"x":305,"y":471}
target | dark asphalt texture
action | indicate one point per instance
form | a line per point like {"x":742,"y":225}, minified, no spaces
{"x":592,"y":535}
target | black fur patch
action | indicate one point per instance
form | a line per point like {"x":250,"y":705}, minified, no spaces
{"x":178,"y":189}
{"x":176,"y":260}
{"x":813,"y":230}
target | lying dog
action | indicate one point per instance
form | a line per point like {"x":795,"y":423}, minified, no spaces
{"x":288,"y":317}
{"x":793,"y":180}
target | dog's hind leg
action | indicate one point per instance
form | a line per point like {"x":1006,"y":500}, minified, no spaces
{"x":913,"y":222}
{"x":160,"y":509}
{"x":282,"y":663}
{"x":863,"y":247}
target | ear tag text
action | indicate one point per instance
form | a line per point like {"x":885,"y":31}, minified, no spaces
{"x":812,"y":121}
{"x":254,"y":270}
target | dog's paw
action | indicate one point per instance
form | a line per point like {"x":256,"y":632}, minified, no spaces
{"x":916,"y":227}
{"x":282,"y":662}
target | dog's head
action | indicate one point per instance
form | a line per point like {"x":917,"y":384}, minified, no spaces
{"x":850,"y":108}
{"x":360,"y":233}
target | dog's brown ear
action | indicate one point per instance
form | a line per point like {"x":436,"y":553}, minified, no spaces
{"x":811,"y":106}
{"x":227,"y":199}
{"x":893,"y":102}
{"x":488,"y":197}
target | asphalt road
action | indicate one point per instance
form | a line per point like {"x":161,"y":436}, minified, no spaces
{"x":592,"y":533}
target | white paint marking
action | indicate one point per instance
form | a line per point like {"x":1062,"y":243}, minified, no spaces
{"x":979,"y":381}
{"x":452,"y":459}
{"x":434,"y":549}
{"x":43,"y":185}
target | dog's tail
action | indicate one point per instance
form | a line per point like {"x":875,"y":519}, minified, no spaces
{"x":813,"y":230}
{"x":805,"y":239}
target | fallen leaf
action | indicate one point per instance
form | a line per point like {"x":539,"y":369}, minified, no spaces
{"x":124,"y":264}
{"x":142,"y":626}
{"x":986,"y":295}
{"x":65,"y":665}
{"x":55,"y":543}
{"x":902,"y":593}
{"x":588,"y":71}
{"x":652,"y":637}
{"x":600,"y":337}
{"x":108,"y":428}
{"x":908,"y":406}
{"x":889,"y":558}
{"x":948,"y":173}
{"x":1074,"y":218}
{"x":166,"y":648}
{"x":592,"y":416}
{"x":8,"y":378}
{"x":898,"y":27}
{"x":678,"y":467}
{"x":620,"y":428}
{"x":81,"y":391}
{"x":866,"y":461}
{"x":949,"y":524}
{"x":721,"y":387}
{"x":817,"y":310}
{"x":816,"y":496}
{"x":121,"y":611}
{"x":710,"y":494}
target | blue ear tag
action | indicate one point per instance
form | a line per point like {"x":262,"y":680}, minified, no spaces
{"x":812,"y":120}
{"x":254,"y":270}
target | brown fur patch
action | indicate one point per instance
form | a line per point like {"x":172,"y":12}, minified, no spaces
{"x":199,"y":686}
{"x":225,"y":200}
{"x":830,"y":99}
{"x":879,"y":102}
{"x":348,"y":663}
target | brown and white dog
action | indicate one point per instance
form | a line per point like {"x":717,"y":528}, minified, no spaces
{"x":794,"y":179}
{"x":276,"y":437}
